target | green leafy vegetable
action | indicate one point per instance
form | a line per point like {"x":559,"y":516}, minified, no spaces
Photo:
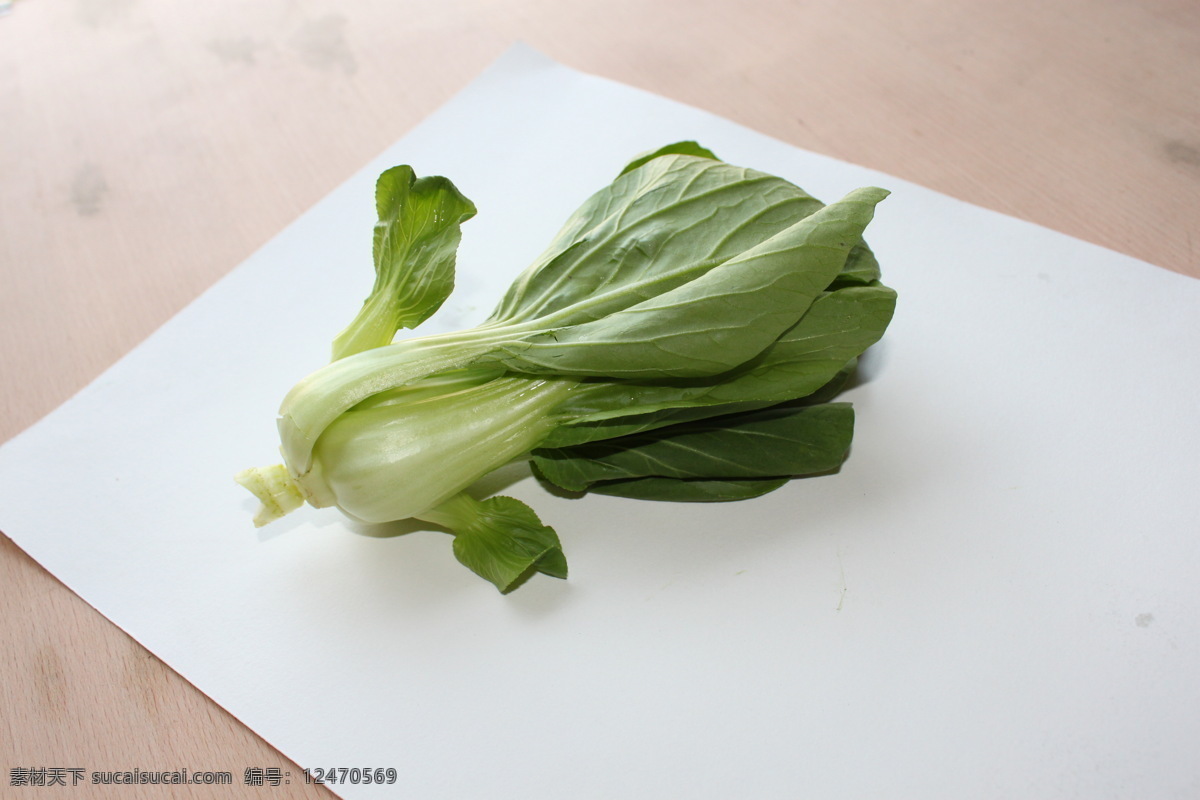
{"x":679,"y":339}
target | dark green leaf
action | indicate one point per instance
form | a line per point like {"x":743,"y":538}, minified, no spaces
{"x":612,"y":427}
{"x":688,"y":491}
{"x":768,"y":443}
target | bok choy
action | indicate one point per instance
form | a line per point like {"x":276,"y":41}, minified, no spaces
{"x":682,"y":338}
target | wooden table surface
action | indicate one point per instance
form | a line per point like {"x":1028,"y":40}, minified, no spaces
{"x":148,"y":147}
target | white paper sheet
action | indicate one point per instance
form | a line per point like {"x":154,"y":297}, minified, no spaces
{"x":996,"y":597}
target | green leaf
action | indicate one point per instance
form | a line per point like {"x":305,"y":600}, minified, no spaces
{"x":837,"y":328}
{"x":688,"y":491}
{"x":500,"y":539}
{"x":651,"y":230}
{"x":769,"y":443}
{"x":688,"y":148}
{"x":861,"y":268}
{"x":416,"y":239}
{"x":612,"y":427}
{"x":833,"y":387}
{"x":566,"y":435}
{"x":715,"y":321}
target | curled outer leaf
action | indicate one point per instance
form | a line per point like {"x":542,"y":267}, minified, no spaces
{"x":415,"y":243}
{"x":500,"y":539}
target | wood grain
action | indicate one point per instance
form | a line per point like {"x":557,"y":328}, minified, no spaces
{"x":149,"y":147}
